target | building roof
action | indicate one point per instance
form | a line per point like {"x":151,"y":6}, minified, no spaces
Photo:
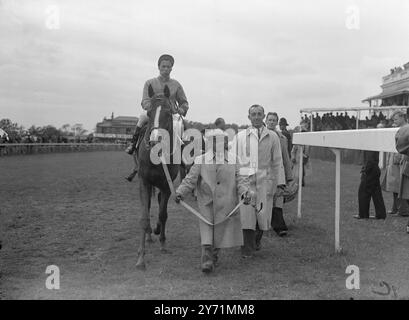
{"x":125,"y":118}
{"x":118,"y":121}
{"x":387,"y":94}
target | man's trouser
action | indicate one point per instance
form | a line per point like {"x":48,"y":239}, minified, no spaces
{"x":251,"y":241}
{"x":399,"y":206}
{"x":277,"y":220}
{"x":370,"y":188}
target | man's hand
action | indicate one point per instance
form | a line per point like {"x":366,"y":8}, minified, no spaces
{"x":178,"y":197}
{"x":294,"y":160}
{"x":182,"y":112}
{"x":247,"y":196}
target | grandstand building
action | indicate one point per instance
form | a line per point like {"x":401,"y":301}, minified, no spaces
{"x":395,"y":89}
{"x":115,"y":129}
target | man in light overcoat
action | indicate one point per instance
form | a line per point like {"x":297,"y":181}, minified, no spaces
{"x":259,"y":152}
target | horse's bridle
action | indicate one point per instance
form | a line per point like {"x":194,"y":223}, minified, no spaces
{"x":165,"y":107}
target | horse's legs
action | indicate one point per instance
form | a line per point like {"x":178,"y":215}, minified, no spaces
{"x":144,"y":195}
{"x":163,"y":216}
{"x":157,"y":228}
{"x":149,"y":233}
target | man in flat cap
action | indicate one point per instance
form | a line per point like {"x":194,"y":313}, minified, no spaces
{"x":177,"y":95}
{"x":283,"y":127}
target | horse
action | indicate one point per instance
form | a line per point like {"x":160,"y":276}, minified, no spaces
{"x":152,"y":175}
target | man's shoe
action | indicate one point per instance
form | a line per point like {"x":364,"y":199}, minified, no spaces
{"x":207,"y":258}
{"x":259,"y":235}
{"x":282,"y":233}
{"x":207,"y":266}
{"x":258,"y":246}
{"x":403,"y":214}
{"x":357,"y":216}
{"x":407,"y":229}
{"x":392,"y":212}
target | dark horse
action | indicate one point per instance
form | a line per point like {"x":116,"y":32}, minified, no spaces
{"x":152,"y":175}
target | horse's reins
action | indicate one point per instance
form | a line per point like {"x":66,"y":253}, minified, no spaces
{"x":189,"y":208}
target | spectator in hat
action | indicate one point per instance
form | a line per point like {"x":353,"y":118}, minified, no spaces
{"x":220,"y":124}
{"x":390,"y":178}
{"x":283,"y":127}
{"x":295,"y":156}
{"x":370,"y":187}
{"x":277,"y":219}
{"x":402,"y":145}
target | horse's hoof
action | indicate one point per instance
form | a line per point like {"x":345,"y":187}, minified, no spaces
{"x":157,"y":230}
{"x":165,"y":251}
{"x":141,"y":266}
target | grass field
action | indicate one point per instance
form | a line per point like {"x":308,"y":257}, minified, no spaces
{"x":76,"y":211}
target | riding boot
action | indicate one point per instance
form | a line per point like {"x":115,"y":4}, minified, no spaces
{"x":249,"y":243}
{"x":207,"y":258}
{"x":131,"y":149}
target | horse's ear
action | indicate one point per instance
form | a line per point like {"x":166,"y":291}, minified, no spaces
{"x":150,"y":91}
{"x":166,"y":91}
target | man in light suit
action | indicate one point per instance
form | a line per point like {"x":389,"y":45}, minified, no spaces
{"x":259,"y":152}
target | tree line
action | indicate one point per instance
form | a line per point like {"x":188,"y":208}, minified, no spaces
{"x":43,"y":134}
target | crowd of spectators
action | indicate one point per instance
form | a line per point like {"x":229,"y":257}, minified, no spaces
{"x":343,"y":121}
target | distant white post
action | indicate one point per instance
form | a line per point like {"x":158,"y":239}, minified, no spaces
{"x":300,"y":173}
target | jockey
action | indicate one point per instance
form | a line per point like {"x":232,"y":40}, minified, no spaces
{"x":177,"y":95}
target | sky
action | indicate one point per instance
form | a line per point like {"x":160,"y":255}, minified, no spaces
{"x":78,"y":61}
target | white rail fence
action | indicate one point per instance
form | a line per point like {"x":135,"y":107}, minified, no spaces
{"x":9,"y":149}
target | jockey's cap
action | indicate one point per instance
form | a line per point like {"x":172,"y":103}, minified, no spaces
{"x":166,"y":57}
